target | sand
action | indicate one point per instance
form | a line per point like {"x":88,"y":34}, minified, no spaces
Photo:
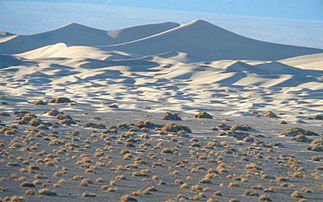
{"x":138,"y":73}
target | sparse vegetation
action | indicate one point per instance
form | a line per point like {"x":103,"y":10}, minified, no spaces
{"x":203,"y":115}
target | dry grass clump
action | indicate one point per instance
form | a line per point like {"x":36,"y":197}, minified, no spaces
{"x":178,"y":181}
{"x":141,"y":173}
{"x":76,"y":177}
{"x":34,"y":122}
{"x":92,"y":124}
{"x":167,"y":150}
{"x":4,"y":114}
{"x":65,"y":119}
{"x":120,"y":177}
{"x":250,"y":193}
{"x":99,"y":179}
{"x":207,"y":179}
{"x":234,"y":200}
{"x":199,"y":196}
{"x":47,"y":192}
{"x":53,"y":112}
{"x":40,"y":102}
{"x":13,"y":164}
{"x":296,"y":174}
{"x":223,"y":126}
{"x":174,"y":172}
{"x":181,"y":197}
{"x":86,"y":182}
{"x":13,"y":198}
{"x":155,"y":177}
{"x":249,"y":139}
{"x":281,"y":179}
{"x":296,"y":194}
{"x":242,"y":127}
{"x":316,"y":117}
{"x":66,"y":122}
{"x":196,"y":187}
{"x":33,"y":167}
{"x":316,"y":158}
{"x":252,"y":168}
{"x":150,"y":189}
{"x":27,"y":184}
{"x":217,"y":193}
{"x":269,"y":189}
{"x":233,"y":184}
{"x":316,"y":145}
{"x":60,"y":100}
{"x":127,"y":198}
{"x":30,"y":192}
{"x":258,"y":187}
{"x":37,"y":180}
{"x":22,"y":179}
{"x":283,"y":122}
{"x":264,"y":197}
{"x":301,"y":138}
{"x":7,"y":130}
{"x":292,"y":132}
{"x":173,"y":127}
{"x":25,"y":117}
{"x":88,"y":194}
{"x":109,"y":189}
{"x":182,"y":134}
{"x":171,"y":116}
{"x":203,"y":115}
{"x":270,"y":114}
{"x":146,"y":124}
{"x":307,"y":190}
{"x":184,"y":186}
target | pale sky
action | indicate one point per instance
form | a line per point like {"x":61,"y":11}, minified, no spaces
{"x":296,"y":9}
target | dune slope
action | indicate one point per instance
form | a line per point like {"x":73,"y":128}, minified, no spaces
{"x":210,"y":42}
{"x":75,"y":34}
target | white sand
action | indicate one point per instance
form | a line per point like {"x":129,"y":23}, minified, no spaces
{"x":196,"y":66}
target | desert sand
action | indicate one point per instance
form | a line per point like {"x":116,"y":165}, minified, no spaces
{"x":108,"y":139}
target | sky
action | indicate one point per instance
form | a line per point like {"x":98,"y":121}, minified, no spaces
{"x":295,"y":22}
{"x":295,"y":9}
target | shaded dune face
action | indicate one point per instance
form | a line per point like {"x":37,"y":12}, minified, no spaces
{"x":209,"y":42}
{"x":79,"y":35}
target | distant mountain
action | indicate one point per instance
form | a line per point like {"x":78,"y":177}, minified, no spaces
{"x":205,"y":40}
{"x":75,"y":34}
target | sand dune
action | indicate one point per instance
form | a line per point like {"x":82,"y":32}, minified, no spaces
{"x":75,"y":34}
{"x":207,"y":41}
{"x":196,"y":66}
{"x":170,"y":84}
{"x":313,"y":61}
{"x":61,"y":50}
{"x":6,"y":36}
